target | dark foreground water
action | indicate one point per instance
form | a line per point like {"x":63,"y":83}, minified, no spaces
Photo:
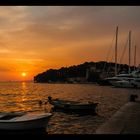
{"x":24,"y":96}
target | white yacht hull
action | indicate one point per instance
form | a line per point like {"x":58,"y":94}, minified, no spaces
{"x":123,"y":84}
{"x":126,"y":84}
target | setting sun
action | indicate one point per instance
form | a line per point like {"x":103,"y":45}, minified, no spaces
{"x":23,"y":74}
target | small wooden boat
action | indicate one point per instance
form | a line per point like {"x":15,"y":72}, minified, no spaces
{"x":73,"y":106}
{"x":23,"y":121}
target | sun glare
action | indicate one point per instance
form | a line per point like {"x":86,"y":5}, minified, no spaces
{"x":23,"y":74}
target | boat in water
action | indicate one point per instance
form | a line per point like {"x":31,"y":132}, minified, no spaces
{"x":131,"y":80}
{"x":24,"y":121}
{"x":105,"y":81}
{"x":131,"y":83}
{"x":73,"y":106}
{"x":127,"y":80}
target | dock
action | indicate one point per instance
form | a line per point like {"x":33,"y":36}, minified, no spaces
{"x":125,"y":121}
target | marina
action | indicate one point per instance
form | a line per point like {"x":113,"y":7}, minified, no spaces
{"x":109,"y":100}
{"x":69,"y":70}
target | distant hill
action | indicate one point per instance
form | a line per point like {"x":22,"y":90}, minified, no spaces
{"x":86,"y":72}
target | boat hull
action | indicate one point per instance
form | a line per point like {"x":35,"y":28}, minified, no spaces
{"x":126,"y":84}
{"x":75,"y":107}
{"x":123,"y":84}
{"x":37,"y":123}
{"x":70,"y":106}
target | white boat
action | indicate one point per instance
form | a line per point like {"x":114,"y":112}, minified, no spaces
{"x":132,"y":79}
{"x":128,"y":83}
{"x":123,"y":84}
{"x":126,"y":80}
{"x":23,"y":121}
{"x":120,"y":77}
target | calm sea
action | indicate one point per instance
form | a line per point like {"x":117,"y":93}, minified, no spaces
{"x":24,"y":96}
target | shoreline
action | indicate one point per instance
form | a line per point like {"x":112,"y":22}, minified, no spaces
{"x":124,"y":121}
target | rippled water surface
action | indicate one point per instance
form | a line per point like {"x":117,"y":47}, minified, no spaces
{"x":24,"y":96}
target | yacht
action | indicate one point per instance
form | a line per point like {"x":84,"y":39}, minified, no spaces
{"x":131,"y":79}
{"x":126,"y":80}
{"x":134,"y":83}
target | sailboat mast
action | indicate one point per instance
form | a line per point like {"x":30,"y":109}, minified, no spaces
{"x":129,"y":50}
{"x":116,"y":50}
{"x":134,"y":57}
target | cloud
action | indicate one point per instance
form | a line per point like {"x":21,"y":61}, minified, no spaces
{"x":3,"y":69}
{"x":57,"y":33}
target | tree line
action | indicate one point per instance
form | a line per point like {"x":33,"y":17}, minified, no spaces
{"x":64,"y":73}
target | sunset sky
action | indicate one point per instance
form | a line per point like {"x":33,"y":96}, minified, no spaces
{"x":36,"y":38}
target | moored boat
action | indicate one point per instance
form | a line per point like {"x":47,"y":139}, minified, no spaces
{"x":123,"y":84}
{"x":23,"y":121}
{"x":73,"y":106}
{"x":131,"y":83}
